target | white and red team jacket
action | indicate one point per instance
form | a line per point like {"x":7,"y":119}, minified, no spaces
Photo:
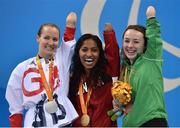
{"x":25,"y":91}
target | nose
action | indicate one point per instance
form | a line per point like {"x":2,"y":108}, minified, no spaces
{"x":130,"y":44}
{"x":51,"y":42}
{"x":89,"y":53}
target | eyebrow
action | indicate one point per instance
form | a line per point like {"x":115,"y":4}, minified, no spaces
{"x":133,"y":39}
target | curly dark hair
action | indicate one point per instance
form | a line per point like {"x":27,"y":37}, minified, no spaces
{"x":77,"y":69}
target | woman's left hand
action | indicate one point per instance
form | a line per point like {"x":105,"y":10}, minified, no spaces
{"x":127,"y":109}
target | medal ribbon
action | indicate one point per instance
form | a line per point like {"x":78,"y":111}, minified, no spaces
{"x":84,"y":104}
{"x":47,"y":86}
{"x":126,"y":76}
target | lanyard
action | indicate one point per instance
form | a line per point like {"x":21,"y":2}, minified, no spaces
{"x":48,"y":87}
{"x":84,"y":104}
{"x":126,"y":76}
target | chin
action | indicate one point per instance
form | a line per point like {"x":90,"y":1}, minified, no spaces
{"x":88,"y":67}
{"x":50,"y":53}
{"x":131,"y":57}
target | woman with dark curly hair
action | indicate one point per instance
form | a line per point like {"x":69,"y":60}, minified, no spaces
{"x":91,"y":79}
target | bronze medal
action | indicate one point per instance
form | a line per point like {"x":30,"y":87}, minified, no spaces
{"x":85,"y":120}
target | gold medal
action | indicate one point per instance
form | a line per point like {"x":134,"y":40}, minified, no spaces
{"x":51,"y":106}
{"x":85,"y":120}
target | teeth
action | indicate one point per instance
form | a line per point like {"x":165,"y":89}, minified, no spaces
{"x":89,"y":60}
{"x":131,"y":51}
{"x":49,"y":48}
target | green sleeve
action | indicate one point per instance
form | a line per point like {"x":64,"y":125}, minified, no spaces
{"x":154,"y":41}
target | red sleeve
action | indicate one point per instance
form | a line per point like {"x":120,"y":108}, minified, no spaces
{"x":15,"y":120}
{"x":112,"y":53}
{"x":69,"y":34}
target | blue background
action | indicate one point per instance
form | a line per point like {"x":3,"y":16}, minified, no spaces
{"x":20,"y":21}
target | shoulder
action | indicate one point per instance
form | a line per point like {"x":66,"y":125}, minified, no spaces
{"x":22,"y":65}
{"x":26,"y":62}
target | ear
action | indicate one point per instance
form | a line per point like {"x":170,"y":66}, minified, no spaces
{"x":37,"y":38}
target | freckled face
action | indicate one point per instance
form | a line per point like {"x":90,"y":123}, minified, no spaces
{"x":89,"y":54}
{"x":133,"y":43}
{"x":48,"y":41}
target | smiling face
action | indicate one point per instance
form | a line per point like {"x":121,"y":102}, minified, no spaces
{"x":89,"y":54}
{"x":133,"y":43}
{"x":48,"y":41}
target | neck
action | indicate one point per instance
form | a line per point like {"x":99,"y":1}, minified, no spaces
{"x":46,"y":57}
{"x":131,"y":61}
{"x":87,"y":72}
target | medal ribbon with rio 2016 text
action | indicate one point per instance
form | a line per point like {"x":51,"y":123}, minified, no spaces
{"x":85,"y":118}
{"x":48,"y":87}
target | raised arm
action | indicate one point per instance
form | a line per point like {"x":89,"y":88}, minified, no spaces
{"x":154,"y":42}
{"x":66,"y":50}
{"x":70,"y":27}
{"x":67,"y":46}
{"x":111,"y":51}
